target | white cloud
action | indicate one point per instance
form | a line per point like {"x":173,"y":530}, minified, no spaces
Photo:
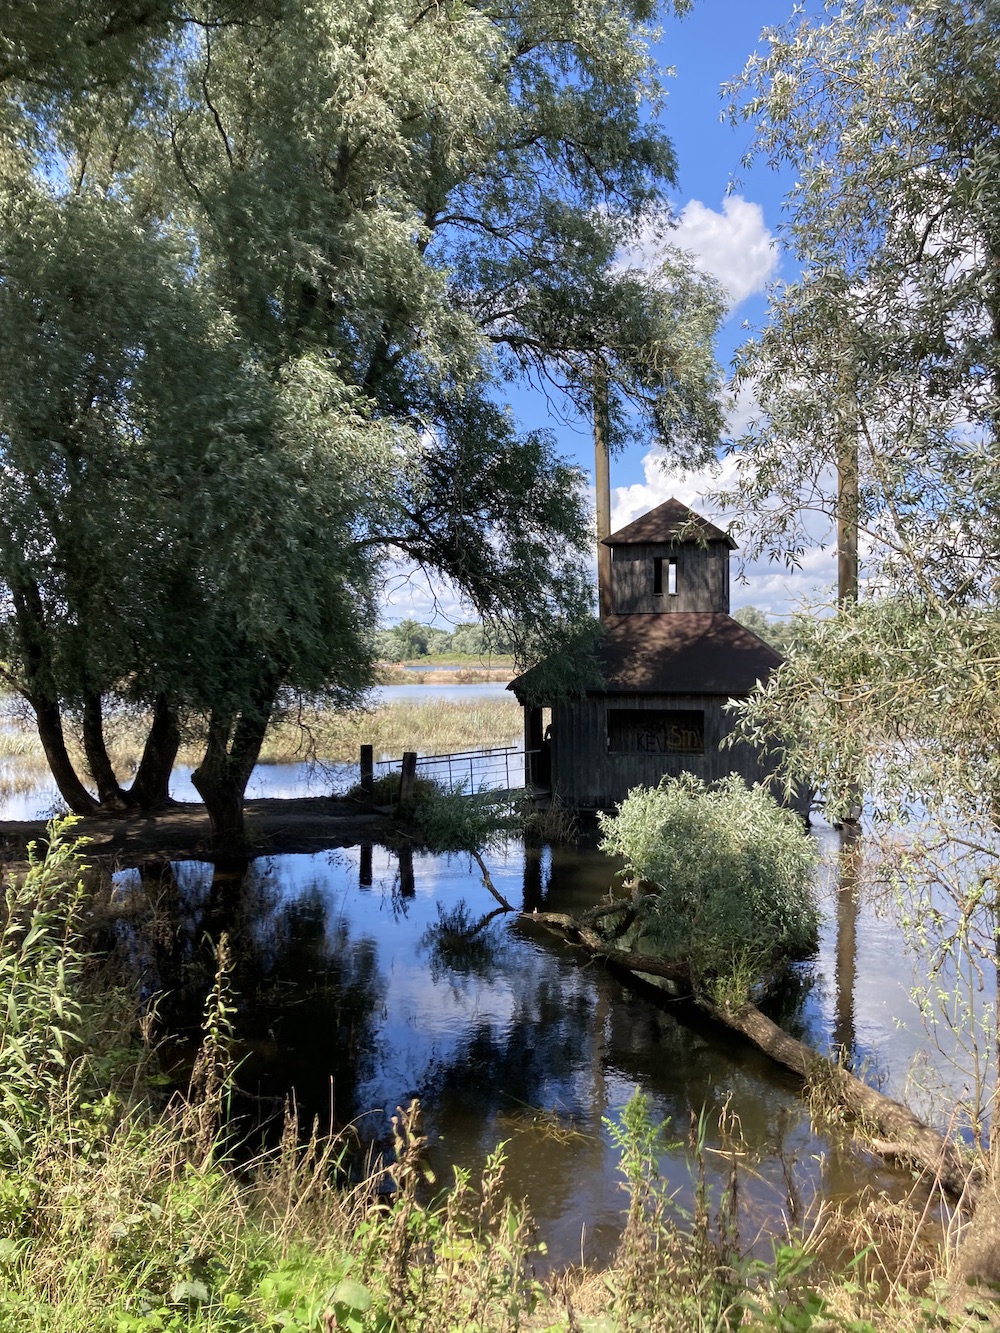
{"x":742,"y":411}
{"x":771,"y":587}
{"x":734,"y":246}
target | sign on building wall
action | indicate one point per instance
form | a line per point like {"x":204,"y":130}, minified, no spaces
{"x":656,"y":731}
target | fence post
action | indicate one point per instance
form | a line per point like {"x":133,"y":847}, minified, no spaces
{"x":367,"y":775}
{"x":407,"y":778}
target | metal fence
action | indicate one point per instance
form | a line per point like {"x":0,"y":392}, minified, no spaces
{"x":501,"y":769}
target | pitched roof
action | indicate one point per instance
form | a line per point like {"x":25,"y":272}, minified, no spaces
{"x":669,"y":522}
{"x":678,"y":652}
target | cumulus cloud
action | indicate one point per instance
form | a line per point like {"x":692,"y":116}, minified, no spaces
{"x":734,"y":246}
{"x":771,"y":587}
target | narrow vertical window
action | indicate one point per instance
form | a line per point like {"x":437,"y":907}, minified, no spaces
{"x":671,"y":577}
{"x":658,"y":576}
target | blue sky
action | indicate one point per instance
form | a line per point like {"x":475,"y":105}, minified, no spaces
{"x":729,"y":218}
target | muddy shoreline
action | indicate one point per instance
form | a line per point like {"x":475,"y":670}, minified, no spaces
{"x":181,"y":831}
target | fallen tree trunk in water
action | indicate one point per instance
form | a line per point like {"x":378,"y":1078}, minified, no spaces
{"x":892,"y":1130}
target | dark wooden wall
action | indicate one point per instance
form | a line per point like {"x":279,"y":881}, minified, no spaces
{"x":702,"y":578}
{"x":585,"y":774}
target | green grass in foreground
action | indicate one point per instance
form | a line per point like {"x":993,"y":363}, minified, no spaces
{"x":117,"y":1219}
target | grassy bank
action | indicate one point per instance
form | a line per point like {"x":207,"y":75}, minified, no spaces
{"x":437,"y":727}
{"x":121,"y":1214}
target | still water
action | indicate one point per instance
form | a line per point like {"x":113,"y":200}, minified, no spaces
{"x":367,"y":978}
{"x":364,"y":982}
{"x":280,"y":781}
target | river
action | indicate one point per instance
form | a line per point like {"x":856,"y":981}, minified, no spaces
{"x":362,"y":984}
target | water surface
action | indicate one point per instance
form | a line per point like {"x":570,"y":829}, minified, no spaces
{"x":365,"y":982}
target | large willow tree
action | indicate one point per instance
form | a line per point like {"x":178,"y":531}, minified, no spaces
{"x":265,"y":268}
{"x":886,"y":351}
{"x":884,"y":357}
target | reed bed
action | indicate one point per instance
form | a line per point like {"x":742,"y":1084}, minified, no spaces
{"x":309,"y":734}
{"x":439,"y":727}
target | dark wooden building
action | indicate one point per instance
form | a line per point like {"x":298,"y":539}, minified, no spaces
{"x":671,"y":658}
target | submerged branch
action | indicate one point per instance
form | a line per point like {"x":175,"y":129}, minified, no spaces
{"x":488,"y":883}
{"x":893,"y":1130}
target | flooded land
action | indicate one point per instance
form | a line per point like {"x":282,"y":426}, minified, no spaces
{"x":367,"y":975}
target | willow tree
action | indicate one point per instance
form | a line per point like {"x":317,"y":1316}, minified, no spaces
{"x":890,"y":118}
{"x":888,"y":115}
{"x":356,"y":222}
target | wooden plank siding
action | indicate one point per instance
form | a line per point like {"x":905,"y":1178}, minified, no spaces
{"x":702,"y":577}
{"x":587,"y":775}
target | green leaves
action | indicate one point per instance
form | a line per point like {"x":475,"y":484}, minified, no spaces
{"x":731,"y":872}
{"x":41,"y":967}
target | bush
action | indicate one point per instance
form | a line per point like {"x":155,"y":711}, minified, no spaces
{"x":732,"y":872}
{"x":467,"y":822}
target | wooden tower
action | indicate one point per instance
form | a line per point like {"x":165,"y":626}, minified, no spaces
{"x":671,"y":658}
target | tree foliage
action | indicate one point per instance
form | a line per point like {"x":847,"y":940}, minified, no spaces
{"x":885,"y":114}
{"x":888,"y":343}
{"x":731,"y":872}
{"x":265,"y":270}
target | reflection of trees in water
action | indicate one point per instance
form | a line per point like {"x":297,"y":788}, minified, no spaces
{"x":308,"y":992}
{"x":461,"y":947}
{"x":507,"y":1067}
{"x":311,"y":1008}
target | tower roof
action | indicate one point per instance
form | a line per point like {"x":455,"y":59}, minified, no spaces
{"x":669,"y":522}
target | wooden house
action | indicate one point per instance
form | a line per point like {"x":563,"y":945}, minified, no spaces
{"x":671,"y":657}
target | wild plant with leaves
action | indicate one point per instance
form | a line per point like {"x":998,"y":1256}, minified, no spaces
{"x":729,"y":874}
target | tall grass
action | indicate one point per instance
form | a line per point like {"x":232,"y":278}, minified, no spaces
{"x":313,"y":734}
{"x":437,"y":727}
{"x":121,"y":1216}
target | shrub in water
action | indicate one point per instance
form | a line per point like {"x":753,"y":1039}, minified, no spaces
{"x":732,"y":872}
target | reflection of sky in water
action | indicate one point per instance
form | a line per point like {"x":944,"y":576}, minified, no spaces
{"x":527,"y":1040}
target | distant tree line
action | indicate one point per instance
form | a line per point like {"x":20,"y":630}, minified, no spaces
{"x":410,"y":639}
{"x":780,"y":634}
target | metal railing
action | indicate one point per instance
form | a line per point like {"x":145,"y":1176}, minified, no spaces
{"x":499,"y":769}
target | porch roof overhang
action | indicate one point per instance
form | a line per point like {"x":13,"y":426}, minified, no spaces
{"x":681,"y":652}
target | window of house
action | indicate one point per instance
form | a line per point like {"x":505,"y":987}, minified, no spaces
{"x":657,"y":575}
{"x":656,"y":731}
{"x":672,"y":577}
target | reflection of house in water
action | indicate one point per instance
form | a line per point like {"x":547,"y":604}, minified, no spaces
{"x":671,"y":659}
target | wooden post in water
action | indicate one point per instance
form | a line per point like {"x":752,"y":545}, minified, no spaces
{"x":365,"y":876}
{"x":602,"y":485}
{"x":407,"y":778}
{"x":367,"y":775}
{"x":407,"y":887}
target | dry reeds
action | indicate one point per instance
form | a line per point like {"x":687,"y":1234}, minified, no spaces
{"x":315,"y":735}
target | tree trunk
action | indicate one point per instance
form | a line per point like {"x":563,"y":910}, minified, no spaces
{"x":221,"y":777}
{"x":40,"y":691}
{"x":109,"y":793}
{"x":50,"y":733}
{"x":602,"y":483}
{"x":151,"y":785}
{"x":903,"y":1135}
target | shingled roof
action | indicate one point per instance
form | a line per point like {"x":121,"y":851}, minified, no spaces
{"x":669,"y":522}
{"x":685,"y":652}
